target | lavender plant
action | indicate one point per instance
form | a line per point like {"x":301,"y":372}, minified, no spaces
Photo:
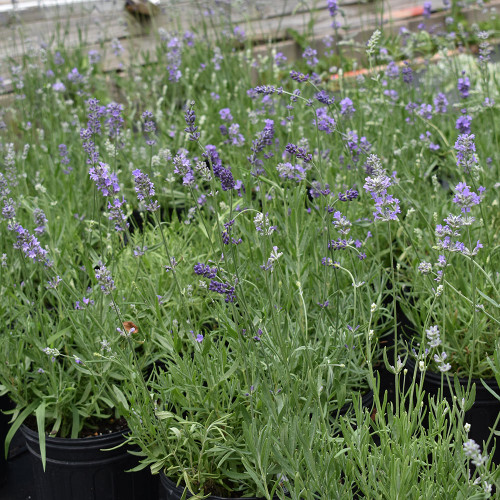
{"x":219,"y":258}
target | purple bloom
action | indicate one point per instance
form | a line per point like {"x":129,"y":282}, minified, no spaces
{"x":392,"y":70}
{"x":349,"y":195}
{"x":190,"y":118}
{"x":145,"y":189}
{"x":239,"y":34}
{"x":333,"y":9}
{"x":220,"y":172}
{"x":466,"y":149}
{"x":63,"y":153}
{"x":114,"y":119}
{"x":386,"y":206}
{"x":58,"y":59}
{"x":205,"y":270}
{"x":465,"y":198}
{"x":407,"y":73}
{"x":463,"y":86}
{"x":323,"y":97}
{"x":317,"y":190}
{"x":485,"y":48}
{"x":75,"y":77}
{"x":338,"y":244}
{"x":289,"y":171}
{"x":235,"y":138}
{"x":54,"y":282}
{"x":324,"y":122}
{"x":89,"y":145}
{"x":223,"y":289}
{"x":299,"y":77}
{"x":139,"y":251}
{"x":310,"y":56}
{"x":265,"y":90}
{"x":58,"y":87}
{"x":29,"y":245}
{"x":279,"y":59}
{"x":440,"y":103}
{"x":95,"y":112}
{"x":9,"y":209}
{"x":378,"y":184}
{"x":226,"y":235}
{"x":425,"y":111}
{"x":463,"y":123}
{"x":174,"y":58}
{"x":106,"y":181}
{"x":328,"y":262}
{"x":427,"y":10}
{"x":300,"y":153}
{"x":225,"y":115}
{"x":356,"y":145}
{"x":143,"y":185}
{"x":265,"y":138}
{"x":172,"y":266}
{"x":87,"y":301}
{"x":117,"y":47}
{"x":347,"y":107}
{"x":116,"y":214}
{"x":341,"y":223}
{"x":40,"y":220}
{"x":93,"y":128}
{"x":149,"y":127}
{"x":189,"y":37}
{"x":104,"y":279}
{"x":217,"y":58}
{"x":4,"y":186}
{"x":94,"y":56}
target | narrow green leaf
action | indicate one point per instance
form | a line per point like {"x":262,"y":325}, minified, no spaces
{"x":16,"y":424}
{"x":120,"y":397}
{"x":40,"y":422}
{"x":75,"y":425}
{"x":489,"y":299}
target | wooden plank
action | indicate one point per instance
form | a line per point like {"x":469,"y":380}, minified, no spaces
{"x":104,"y":22}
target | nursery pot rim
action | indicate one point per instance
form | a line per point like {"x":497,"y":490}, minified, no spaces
{"x":166,"y":481}
{"x":435,"y":377}
{"x":110,"y":436}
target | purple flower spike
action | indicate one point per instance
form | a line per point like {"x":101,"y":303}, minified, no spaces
{"x":103,"y":277}
{"x":106,"y":181}
{"x":116,"y":214}
{"x":465,"y":198}
{"x":29,"y":245}
{"x":463,"y":86}
{"x":145,"y":190}
{"x":190,"y":118}
{"x":466,"y":149}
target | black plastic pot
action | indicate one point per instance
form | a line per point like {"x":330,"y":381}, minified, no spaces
{"x":169,"y":491}
{"x":5,"y":404}
{"x":483,"y":413}
{"x":366,"y":402}
{"x":78,"y":469}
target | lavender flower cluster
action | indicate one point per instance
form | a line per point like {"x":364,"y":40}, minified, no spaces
{"x":386,"y":206}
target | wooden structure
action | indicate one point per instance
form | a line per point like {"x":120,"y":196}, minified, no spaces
{"x":30,"y":23}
